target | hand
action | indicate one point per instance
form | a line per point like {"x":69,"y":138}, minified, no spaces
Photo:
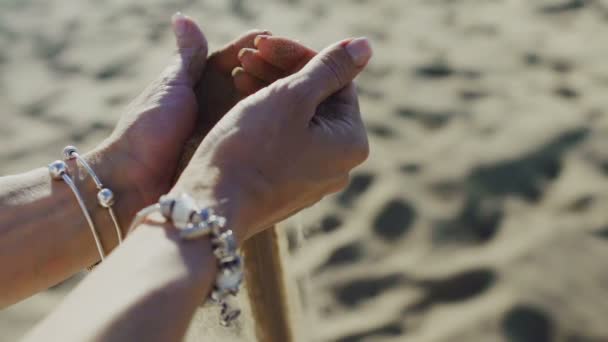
{"x":273,"y":58}
{"x":285,"y":147}
{"x":149,"y":138}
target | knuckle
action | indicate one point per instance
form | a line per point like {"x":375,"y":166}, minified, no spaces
{"x":360,"y":150}
{"x":282,"y":91}
{"x":283,"y":87}
{"x":295,"y":91}
{"x":340,"y":184}
{"x":253,"y":32}
{"x":335,"y":66}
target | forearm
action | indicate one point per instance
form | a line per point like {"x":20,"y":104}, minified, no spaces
{"x":44,"y":236}
{"x":149,"y":288}
{"x":147,"y":291}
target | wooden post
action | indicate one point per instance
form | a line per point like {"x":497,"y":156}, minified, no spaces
{"x":266,"y":288}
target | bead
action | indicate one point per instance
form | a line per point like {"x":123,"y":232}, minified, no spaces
{"x":166,"y":205}
{"x":201,"y":215}
{"x":206,"y":213}
{"x":224,"y":245}
{"x":219,"y":221}
{"x":192,"y":223}
{"x":195,"y":231}
{"x":217,"y":295}
{"x":57,"y":169}
{"x":229,"y":281}
{"x":217,"y":224}
{"x":228,"y":314}
{"x":235,"y":265}
{"x":182,"y":209}
{"x":68,"y":152}
{"x":105,"y":197}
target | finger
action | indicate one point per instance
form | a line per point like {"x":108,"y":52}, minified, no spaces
{"x":332,"y":69}
{"x":283,"y":53}
{"x":347,"y":96}
{"x":245,"y":83}
{"x":338,"y":184}
{"x":230,"y":52}
{"x":253,"y":63}
{"x":191,"y":51}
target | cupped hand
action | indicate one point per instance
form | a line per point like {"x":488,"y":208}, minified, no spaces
{"x":288,"y":145}
{"x":188,"y":98}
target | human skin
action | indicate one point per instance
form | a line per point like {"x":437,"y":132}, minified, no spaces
{"x":274,"y":153}
{"x":149,"y":288}
{"x":44,"y":238}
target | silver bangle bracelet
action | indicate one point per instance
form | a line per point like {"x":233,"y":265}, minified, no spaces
{"x":105,"y":196}
{"x":193,"y":223}
{"x":59,"y":171}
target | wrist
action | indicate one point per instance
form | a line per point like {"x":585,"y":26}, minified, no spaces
{"x":112,"y":167}
{"x":213,"y":190}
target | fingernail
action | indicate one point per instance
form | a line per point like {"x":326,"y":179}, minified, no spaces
{"x":180,"y":26}
{"x":259,"y":38}
{"x":237,"y":71}
{"x":263,"y":31}
{"x":359,"y":50}
{"x":243,"y":52}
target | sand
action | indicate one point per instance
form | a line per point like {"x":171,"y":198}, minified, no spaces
{"x":481,"y":213}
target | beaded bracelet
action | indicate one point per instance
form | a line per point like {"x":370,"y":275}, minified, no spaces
{"x":59,"y":171}
{"x":194,"y":223}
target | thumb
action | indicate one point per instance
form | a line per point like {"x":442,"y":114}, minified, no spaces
{"x":333,"y":69}
{"x":191,"y":51}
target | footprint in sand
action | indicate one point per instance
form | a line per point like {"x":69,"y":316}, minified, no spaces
{"x":394,"y":220}
{"x":558,"y":65}
{"x":327,"y":225}
{"x":478,"y":222}
{"x":602,"y":233}
{"x":566,"y":92}
{"x":411,"y":168}
{"x":117,"y":68}
{"x":487,"y":186}
{"x":394,"y":329}
{"x":344,"y":255}
{"x":562,"y":66}
{"x":460,"y":287}
{"x":429,"y":119}
{"x":356,"y":291}
{"x":583,"y":338}
{"x":471,"y":95}
{"x":381,"y":131}
{"x":438,"y":70}
{"x":358,"y":185}
{"x":457,"y":288}
{"x":581,"y":204}
{"x":563,"y":6}
{"x":525,"y":323}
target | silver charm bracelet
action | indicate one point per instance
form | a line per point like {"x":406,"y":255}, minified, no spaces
{"x":105,"y":196}
{"x":59,"y":171}
{"x":193,"y":223}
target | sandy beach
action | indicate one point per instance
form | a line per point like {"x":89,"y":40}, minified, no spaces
{"x":481,"y":214}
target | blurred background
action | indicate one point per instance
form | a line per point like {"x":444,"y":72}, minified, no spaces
{"x":482,"y":213}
